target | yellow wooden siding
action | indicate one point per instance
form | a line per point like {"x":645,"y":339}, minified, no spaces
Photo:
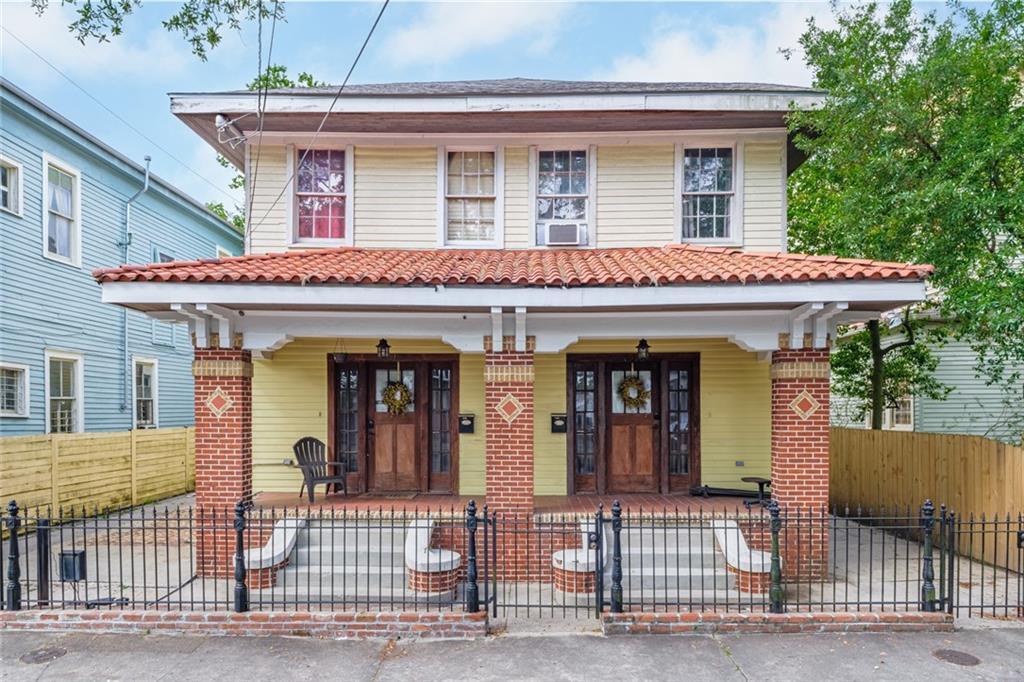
{"x":517,"y":198}
{"x":269,"y":231}
{"x":289,"y":401}
{"x":635,"y":195}
{"x":97,"y":469}
{"x":471,"y":445}
{"x":549,"y":449}
{"x":763,"y":182}
{"x":735,"y":410}
{"x":395,"y":197}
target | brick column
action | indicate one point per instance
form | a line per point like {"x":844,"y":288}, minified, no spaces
{"x":223,"y":408}
{"x":800,"y":456}
{"x":508,"y":380}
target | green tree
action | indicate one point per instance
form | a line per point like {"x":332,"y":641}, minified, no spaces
{"x":917,"y":154}
{"x":200,"y":22}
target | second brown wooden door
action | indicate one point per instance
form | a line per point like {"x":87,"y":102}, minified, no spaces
{"x":394,"y":438}
{"x":633,"y":432}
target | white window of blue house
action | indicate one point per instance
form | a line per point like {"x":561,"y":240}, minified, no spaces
{"x":709,"y":204}
{"x":61,"y":211}
{"x":162,"y":255}
{"x":146,"y":395}
{"x":14,"y":383}
{"x":10,"y":186}
{"x":65,"y":399}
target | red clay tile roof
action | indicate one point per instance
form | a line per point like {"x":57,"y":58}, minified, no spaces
{"x":642,"y":266}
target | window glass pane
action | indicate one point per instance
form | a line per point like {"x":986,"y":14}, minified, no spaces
{"x":440,"y":420}
{"x":678,"y":422}
{"x":385,"y":376}
{"x":584,"y":422}
{"x":348,"y":418}
{"x":63,"y":393}
{"x":618,"y":405}
{"x":10,"y":390}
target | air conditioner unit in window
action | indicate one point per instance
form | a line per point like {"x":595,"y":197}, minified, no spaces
{"x":564,"y":234}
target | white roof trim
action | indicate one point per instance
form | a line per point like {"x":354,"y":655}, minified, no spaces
{"x":235,"y":103}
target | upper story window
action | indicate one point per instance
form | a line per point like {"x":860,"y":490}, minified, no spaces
{"x":321,"y":195}
{"x":14,"y":389}
{"x":162,"y":255}
{"x":64,"y":393}
{"x":222,"y":252}
{"x":10,"y":186}
{"x":563,"y":196}
{"x":708,"y":194}
{"x":145,"y":394}
{"x":471,"y":197}
{"x":62,"y":206}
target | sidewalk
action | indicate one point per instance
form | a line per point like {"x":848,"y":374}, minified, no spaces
{"x":903,"y":657}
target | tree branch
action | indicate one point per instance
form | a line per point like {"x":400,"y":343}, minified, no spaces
{"x":910,"y":340}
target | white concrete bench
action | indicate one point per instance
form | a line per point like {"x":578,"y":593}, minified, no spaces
{"x":738,"y":554}
{"x":280,"y":544}
{"x":420,"y":557}
{"x":577,"y":560}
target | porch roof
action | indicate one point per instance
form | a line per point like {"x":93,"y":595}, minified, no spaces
{"x":619,"y":267}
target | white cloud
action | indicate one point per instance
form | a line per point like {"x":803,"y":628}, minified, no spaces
{"x":446,"y":31}
{"x":745,"y":51}
{"x":131,"y":54}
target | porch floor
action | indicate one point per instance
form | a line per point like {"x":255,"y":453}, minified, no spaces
{"x":543,"y":504}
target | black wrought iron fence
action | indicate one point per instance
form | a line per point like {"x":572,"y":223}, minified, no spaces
{"x":570,"y":565}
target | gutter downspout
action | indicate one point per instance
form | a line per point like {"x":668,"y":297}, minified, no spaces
{"x":124,"y":244}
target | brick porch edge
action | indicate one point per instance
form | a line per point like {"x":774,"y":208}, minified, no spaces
{"x":770,"y":623}
{"x":333,"y":625}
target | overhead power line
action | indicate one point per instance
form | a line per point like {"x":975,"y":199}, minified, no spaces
{"x":326,"y":115}
{"x":120,"y":118}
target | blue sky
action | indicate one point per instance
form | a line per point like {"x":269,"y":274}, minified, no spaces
{"x":415,"y":41}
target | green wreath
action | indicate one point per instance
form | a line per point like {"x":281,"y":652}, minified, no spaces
{"x":633,"y":392}
{"x":397,"y":397}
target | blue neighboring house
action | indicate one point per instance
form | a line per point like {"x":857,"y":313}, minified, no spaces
{"x":69,"y":363}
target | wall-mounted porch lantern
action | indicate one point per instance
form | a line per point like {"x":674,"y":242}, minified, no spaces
{"x":643,"y":350}
{"x":383,"y":349}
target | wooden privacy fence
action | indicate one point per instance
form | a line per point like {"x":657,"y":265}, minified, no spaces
{"x":969,"y":474}
{"x":112,"y":469}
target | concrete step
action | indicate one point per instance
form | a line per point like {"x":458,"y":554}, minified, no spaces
{"x":352,"y":598}
{"x":362,"y":538}
{"x":339,"y":556}
{"x":659,"y":578}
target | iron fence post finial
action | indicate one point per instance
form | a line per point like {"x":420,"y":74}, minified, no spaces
{"x":472,"y":589}
{"x":616,"y":606}
{"x":775,"y":589}
{"x":12,"y":601}
{"x":241,"y":589}
{"x":927,"y":567}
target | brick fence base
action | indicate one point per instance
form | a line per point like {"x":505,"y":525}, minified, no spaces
{"x":328,"y":625}
{"x":771,"y":623}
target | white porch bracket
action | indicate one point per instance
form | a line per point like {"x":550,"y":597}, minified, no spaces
{"x":824,"y":322}
{"x":225,"y":320}
{"x":520,"y":329}
{"x":264,"y":344}
{"x":797,"y":323}
{"x":496,"y":329}
{"x":199,"y":323}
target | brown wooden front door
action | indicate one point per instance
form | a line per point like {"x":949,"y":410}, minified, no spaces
{"x":414,"y":451}
{"x":394,"y":439}
{"x":633,"y":431}
{"x":617,"y":448}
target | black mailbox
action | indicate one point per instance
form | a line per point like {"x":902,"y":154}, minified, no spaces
{"x":72,"y":565}
{"x":559,"y":423}
{"x":467,"y":423}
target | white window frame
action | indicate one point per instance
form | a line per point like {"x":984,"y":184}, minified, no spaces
{"x":155,"y":363}
{"x":888,"y":414}
{"x":292,"y":209}
{"x":16,"y":186}
{"x":533,"y":166}
{"x":79,"y":359}
{"x":221,"y":252}
{"x":735,"y":237}
{"x":499,"y":197}
{"x":156,"y":250}
{"x":76,"y":200}
{"x":26,"y":384}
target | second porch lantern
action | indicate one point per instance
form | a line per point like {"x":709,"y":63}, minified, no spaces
{"x":383,"y":349}
{"x":643,"y":350}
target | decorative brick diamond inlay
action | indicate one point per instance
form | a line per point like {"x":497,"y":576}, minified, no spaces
{"x":219,"y":402}
{"x":804,"y":405}
{"x":509,"y":408}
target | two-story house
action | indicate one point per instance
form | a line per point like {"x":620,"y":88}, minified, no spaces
{"x":513,"y":288}
{"x":68,"y":204}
